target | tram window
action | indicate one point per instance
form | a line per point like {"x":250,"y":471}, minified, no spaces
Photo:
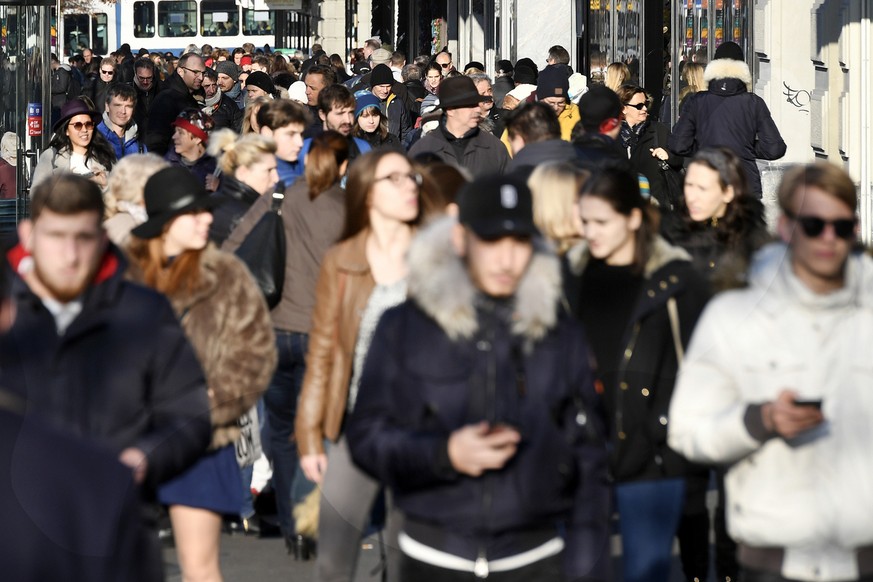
{"x":76,"y":33}
{"x":219,"y":18}
{"x":143,"y":19}
{"x":177,"y":18}
{"x":99,"y":33}
{"x":258,"y":22}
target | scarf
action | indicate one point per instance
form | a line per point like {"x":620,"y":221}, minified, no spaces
{"x":630,"y":136}
{"x":210,"y":105}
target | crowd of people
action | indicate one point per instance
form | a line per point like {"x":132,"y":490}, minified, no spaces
{"x":506,"y":312}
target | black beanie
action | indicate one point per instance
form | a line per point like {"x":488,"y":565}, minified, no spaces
{"x":261,"y":80}
{"x":381,"y":75}
{"x":729,"y":50}
{"x":524,"y":75}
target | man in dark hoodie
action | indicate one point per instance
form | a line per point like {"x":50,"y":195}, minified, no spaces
{"x":535,"y":137}
{"x":177,"y":96}
{"x":729,"y":115}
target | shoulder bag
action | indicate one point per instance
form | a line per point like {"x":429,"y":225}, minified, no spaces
{"x":263,"y":250}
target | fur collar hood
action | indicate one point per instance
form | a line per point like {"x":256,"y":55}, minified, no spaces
{"x":662,"y":253}
{"x":724,"y":69}
{"x":440,"y":286}
{"x":213,"y":267}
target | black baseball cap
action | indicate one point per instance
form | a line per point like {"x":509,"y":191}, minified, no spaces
{"x":497,"y":206}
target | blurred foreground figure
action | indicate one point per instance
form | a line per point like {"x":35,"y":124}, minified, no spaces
{"x":776,"y":382}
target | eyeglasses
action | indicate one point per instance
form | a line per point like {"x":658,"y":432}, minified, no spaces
{"x":86,"y":125}
{"x":813,"y":226}
{"x":397,"y":178}
{"x":638,"y":106}
{"x":110,"y":72}
{"x":145,"y":79}
{"x":196,"y":73}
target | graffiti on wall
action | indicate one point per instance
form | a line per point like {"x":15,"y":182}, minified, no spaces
{"x":799,"y":98}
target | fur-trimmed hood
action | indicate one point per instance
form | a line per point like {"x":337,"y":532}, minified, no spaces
{"x":440,"y":285}
{"x":662,"y":253}
{"x":724,"y":70}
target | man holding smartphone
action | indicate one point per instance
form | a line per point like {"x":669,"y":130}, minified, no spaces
{"x":477,"y":405}
{"x":776,"y":383}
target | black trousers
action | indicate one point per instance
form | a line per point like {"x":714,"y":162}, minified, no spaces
{"x":547,"y":570}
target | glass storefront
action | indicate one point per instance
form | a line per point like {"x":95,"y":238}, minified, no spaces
{"x":25,"y":44}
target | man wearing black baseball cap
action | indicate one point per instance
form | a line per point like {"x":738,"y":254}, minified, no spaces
{"x":477,"y":405}
{"x":458,"y":139}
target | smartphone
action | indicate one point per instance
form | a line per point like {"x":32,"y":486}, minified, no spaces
{"x":813,"y":403}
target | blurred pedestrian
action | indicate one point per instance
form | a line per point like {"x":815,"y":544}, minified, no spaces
{"x":125,"y":207}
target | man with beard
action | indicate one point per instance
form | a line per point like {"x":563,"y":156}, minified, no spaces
{"x":223,"y":110}
{"x":95,"y":355}
{"x":228,"y":82}
{"x":147,"y":83}
{"x":336,"y":109}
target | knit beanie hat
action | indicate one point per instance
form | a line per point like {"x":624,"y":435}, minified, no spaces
{"x":553,"y":82}
{"x":381,"y":75}
{"x":228,"y":68}
{"x":365,"y":99}
{"x":263,"y":81}
{"x":729,"y":50}
{"x":524,"y":75}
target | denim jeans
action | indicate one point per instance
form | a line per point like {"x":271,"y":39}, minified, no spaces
{"x":649,"y":513}
{"x":280,"y":401}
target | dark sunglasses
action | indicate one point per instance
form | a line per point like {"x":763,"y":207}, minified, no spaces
{"x":638,"y":106}
{"x":108,"y":72}
{"x":88,"y":125}
{"x":446,"y":65}
{"x":813,"y":226}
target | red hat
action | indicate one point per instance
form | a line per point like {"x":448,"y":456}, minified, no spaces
{"x":196,"y":123}
{"x":245,"y":60}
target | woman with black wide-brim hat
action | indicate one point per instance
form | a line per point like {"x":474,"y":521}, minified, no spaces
{"x":76,"y":146}
{"x":226,"y":319}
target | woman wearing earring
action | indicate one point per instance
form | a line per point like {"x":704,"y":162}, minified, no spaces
{"x":639,"y":298}
{"x":226,"y":319}
{"x":360,"y":278}
{"x":76,"y":146}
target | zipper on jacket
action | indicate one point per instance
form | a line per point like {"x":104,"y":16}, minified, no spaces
{"x":622,"y":386}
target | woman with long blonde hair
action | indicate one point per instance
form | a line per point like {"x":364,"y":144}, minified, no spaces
{"x":617,"y":74}
{"x":555,"y":187}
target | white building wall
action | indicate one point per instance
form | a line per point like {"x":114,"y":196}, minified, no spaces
{"x":331,"y":29}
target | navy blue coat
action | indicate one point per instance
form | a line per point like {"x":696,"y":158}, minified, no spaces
{"x":123,"y":374}
{"x":729,"y":115}
{"x":418,"y":386}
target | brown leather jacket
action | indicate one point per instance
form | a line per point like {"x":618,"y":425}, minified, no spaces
{"x":343,"y":289}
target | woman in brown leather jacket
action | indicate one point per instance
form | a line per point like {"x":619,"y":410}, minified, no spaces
{"x":361,"y":276}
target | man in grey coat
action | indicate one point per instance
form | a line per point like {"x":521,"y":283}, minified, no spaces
{"x":458,"y":139}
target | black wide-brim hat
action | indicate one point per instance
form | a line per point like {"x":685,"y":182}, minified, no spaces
{"x":75,"y":107}
{"x":169,"y":193}
{"x":460,"y":92}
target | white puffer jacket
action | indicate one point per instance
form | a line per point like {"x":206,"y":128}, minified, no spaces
{"x":813,"y":495}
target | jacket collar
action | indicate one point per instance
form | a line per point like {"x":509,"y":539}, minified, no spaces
{"x":441,"y":287}
{"x":235,"y":189}
{"x":772,"y":274}
{"x":352,"y":254}
{"x":662,"y":253}
{"x":207,"y":285}
{"x":129,"y":132}
{"x":720,"y":73}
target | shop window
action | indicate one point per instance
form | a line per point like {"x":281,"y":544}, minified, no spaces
{"x":100,"y":33}
{"x":219,"y":18}
{"x":76,"y":33}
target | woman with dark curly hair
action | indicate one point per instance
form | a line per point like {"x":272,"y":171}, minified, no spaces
{"x":76,"y":146}
{"x":719,"y":222}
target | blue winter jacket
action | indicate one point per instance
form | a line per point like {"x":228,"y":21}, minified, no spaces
{"x":130,"y":144}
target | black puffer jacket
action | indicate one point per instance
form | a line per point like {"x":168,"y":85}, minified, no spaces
{"x":654,"y":135}
{"x":729,"y":115}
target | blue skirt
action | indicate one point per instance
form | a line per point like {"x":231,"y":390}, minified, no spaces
{"x":214,"y":482}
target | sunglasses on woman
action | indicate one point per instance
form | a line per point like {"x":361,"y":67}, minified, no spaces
{"x":813,"y":226}
{"x":638,"y":106}
{"x":80,"y":125}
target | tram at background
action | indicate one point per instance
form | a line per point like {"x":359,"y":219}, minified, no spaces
{"x":165,"y":25}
